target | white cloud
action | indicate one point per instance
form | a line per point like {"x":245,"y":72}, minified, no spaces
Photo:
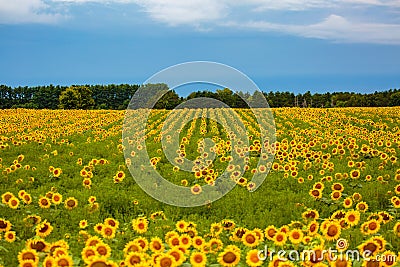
{"x":347,"y":25}
{"x":335,"y":28}
{"x":26,"y":11}
{"x":178,"y":12}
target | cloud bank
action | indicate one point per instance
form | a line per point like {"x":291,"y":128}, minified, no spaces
{"x":335,"y":20}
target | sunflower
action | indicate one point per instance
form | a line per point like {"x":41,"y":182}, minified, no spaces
{"x":198,"y":259}
{"x":49,"y":261}
{"x":253,"y":259}
{"x":357,"y":197}
{"x":229,"y":257}
{"x":316,"y":256}
{"x":70,"y":203}
{"x":87,"y":182}
{"x":354,"y":174}
{"x":13,"y":202}
{"x":339,"y":214}
{"x":362,"y":206}
{"x":332,"y":231}
{"x":64,"y":260}
{"x":296,"y":236}
{"x":386,"y":217}
{"x":270,"y":232}
{"x":27,"y":199}
{"x":92,"y":199}
{"x":98,"y":228}
{"x":337,"y":187}
{"x":88,"y":253}
{"x":181,"y":226}
{"x":216,"y":229}
{"x":134,"y":258}
{"x":37,"y":244}
{"x":395,"y":201}
{"x":347,"y":202}
{"x":59,"y":244}
{"x":103,"y":249}
{"x":165,"y":260}
{"x":336,"y":195}
{"x":315,"y":193}
{"x":108,"y":231}
{"x":250,"y":239}
{"x":352,"y":217}
{"x":185,"y":241}
{"x":171,"y":234}
{"x":28,"y":263}
{"x":340,"y":262}
{"x":280,"y":238}
{"x":140,"y":225}
{"x":381,"y":241}
{"x":83,"y":224}
{"x":196,"y":189}
{"x":228,"y":224}
{"x":57,"y":172}
{"x":389,"y":258}
{"x":132,"y":246}
{"x":111,"y":222}
{"x":143,"y":242}
{"x":178,"y":255}
{"x":156,"y":245}
{"x":10,"y":236}
{"x":238,"y":233}
{"x":215,"y":244}
{"x":43,"y":229}
{"x":198,"y":242}
{"x":370,"y":227}
{"x":310,"y":214}
{"x":370,"y":245}
{"x":98,"y":261}
{"x":28,"y":254}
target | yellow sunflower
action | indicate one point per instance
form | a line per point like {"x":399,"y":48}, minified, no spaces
{"x":140,"y":225}
{"x":250,"y":239}
{"x":252,"y":258}
{"x":43,"y":229}
{"x":280,"y":238}
{"x":229,"y":257}
{"x":198,"y":259}
{"x":296,"y":236}
{"x":332,"y":231}
{"x":70,"y":203}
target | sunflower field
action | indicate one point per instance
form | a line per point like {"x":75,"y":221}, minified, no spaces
{"x":68,"y":197}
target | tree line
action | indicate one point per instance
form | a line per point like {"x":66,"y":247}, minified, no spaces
{"x":118,"y":97}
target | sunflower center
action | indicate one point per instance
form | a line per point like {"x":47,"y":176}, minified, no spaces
{"x":371,"y":247}
{"x":165,"y":262}
{"x":229,"y":257}
{"x":99,"y":264}
{"x":157,"y":246}
{"x":332,"y":230}
{"x":28,"y":256}
{"x":134,"y":259}
{"x":250,"y":239}
{"x":372,"y":226}
{"x":198,"y":258}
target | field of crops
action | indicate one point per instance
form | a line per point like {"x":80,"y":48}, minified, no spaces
{"x":69,"y":199}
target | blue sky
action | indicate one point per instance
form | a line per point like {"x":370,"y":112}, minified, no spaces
{"x":294,"y":45}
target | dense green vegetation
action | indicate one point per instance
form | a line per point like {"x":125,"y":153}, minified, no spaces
{"x":118,"y":96}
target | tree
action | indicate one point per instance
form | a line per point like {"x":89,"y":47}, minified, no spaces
{"x":76,"y":97}
{"x":395,"y":99}
{"x":69,"y":99}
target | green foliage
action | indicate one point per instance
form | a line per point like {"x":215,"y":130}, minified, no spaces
{"x":76,"y":97}
{"x":114,"y":96}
